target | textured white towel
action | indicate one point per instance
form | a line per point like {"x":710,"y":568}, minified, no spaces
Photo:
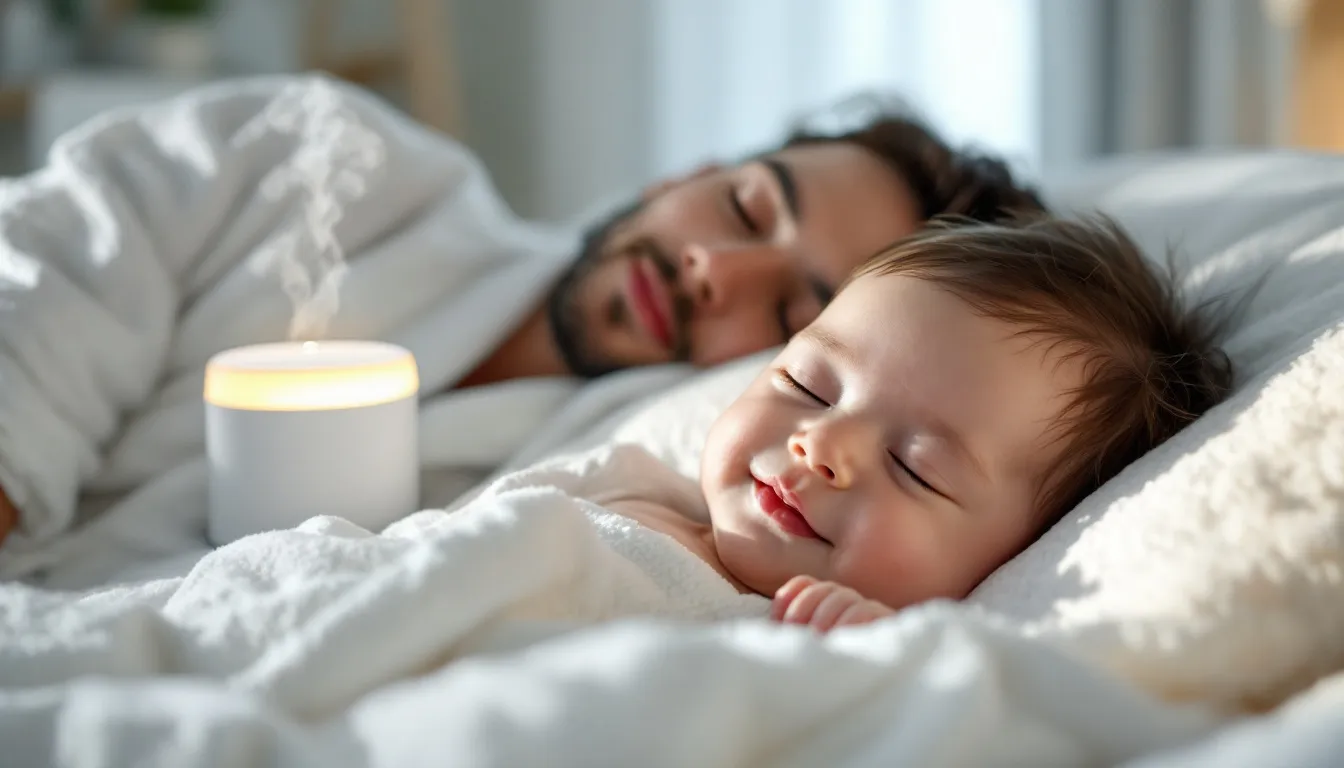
{"x":317,"y":615}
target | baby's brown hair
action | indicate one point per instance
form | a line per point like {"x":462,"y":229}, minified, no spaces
{"x":1150,"y":366}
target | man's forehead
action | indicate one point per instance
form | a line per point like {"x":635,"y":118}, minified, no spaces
{"x":813,"y":155}
{"x":842,"y":168}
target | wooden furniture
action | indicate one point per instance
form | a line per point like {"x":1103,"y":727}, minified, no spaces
{"x":1318,"y":82}
{"x":420,"y":58}
{"x":13,"y":102}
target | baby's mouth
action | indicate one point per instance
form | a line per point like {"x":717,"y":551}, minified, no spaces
{"x":784,"y":514}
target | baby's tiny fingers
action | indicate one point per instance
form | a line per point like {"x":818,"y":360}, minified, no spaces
{"x":836,"y":604}
{"x":786,"y":594}
{"x":802,"y":607}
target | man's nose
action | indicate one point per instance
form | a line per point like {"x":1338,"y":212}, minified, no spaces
{"x":715,"y":278}
{"x":830,"y":449}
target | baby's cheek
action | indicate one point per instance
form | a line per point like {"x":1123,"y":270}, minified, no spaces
{"x":895,"y":567}
{"x":730,"y":439}
{"x":720,"y":447}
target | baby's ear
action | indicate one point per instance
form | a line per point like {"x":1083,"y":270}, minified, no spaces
{"x":659,"y":187}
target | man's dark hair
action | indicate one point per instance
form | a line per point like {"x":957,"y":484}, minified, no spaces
{"x":946,"y":181}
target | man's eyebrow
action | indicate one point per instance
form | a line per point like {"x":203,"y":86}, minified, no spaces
{"x":788,"y":185}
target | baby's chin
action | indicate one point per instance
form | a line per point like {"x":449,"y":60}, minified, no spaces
{"x":752,"y":562}
{"x":747,"y":571}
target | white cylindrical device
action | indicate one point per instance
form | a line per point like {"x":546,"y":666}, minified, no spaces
{"x":295,"y":430}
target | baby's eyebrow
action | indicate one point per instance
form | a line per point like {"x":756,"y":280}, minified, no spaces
{"x":831,"y":343}
{"x":959,"y":447}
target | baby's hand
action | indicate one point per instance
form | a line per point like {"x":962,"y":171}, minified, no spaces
{"x":823,"y":605}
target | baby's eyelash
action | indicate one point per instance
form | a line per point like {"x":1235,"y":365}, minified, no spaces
{"x":913,"y":474}
{"x":787,"y":378}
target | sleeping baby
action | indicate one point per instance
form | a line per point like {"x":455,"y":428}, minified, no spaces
{"x":965,"y":388}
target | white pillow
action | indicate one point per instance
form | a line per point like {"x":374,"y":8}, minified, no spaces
{"x":1211,"y":568}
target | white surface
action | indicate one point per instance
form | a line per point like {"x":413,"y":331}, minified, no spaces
{"x":310,"y":375}
{"x":271,"y":470}
{"x":309,"y":355}
{"x":458,"y":639}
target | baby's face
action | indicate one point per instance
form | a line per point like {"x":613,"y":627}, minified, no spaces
{"x":895,"y":446}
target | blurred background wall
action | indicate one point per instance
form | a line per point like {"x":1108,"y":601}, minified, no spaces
{"x":573,"y":102}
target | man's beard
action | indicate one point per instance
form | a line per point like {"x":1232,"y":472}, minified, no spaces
{"x":568,"y":327}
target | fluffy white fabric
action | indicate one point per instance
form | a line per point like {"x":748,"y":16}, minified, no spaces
{"x":460,"y":638}
{"x":1211,"y":569}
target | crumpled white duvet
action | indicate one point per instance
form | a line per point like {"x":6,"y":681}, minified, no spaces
{"x":530,"y":627}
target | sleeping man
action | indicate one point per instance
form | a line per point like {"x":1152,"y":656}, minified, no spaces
{"x":267,"y":209}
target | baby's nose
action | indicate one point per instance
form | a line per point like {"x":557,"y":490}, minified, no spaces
{"x":825,"y":463}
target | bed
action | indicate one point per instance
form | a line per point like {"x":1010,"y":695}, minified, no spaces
{"x":1187,"y":613}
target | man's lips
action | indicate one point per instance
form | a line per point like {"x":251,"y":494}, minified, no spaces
{"x":650,"y":300}
{"x":774,"y":505}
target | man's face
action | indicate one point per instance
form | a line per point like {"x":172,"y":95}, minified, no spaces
{"x":728,"y":261}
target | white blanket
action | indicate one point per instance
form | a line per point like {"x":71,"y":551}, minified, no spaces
{"x":158,"y":236}
{"x":468,"y":639}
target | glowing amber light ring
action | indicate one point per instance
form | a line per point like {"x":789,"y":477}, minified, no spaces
{"x":310,"y":376}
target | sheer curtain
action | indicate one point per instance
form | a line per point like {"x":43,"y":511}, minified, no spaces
{"x":1123,"y":76}
{"x":575,"y":101}
{"x":730,"y":75}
